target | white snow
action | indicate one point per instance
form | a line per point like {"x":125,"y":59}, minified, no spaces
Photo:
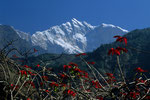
{"x":89,"y":25}
{"x":108,"y":25}
{"x":124,"y":30}
{"x":80,"y":37}
{"x":75,"y":21}
{"x":71,"y":36}
{"x":113,"y":26}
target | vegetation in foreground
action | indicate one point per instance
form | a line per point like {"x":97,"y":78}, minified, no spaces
{"x":39,"y":82}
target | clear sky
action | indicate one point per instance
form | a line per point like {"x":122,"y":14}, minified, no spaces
{"x":38,"y":15}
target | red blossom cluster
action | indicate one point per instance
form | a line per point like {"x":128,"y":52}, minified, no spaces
{"x":99,"y":98}
{"x":117,"y":51}
{"x":24,"y":72}
{"x":139,"y":69}
{"x":134,"y":94}
{"x":54,"y":84}
{"x":12,"y":86}
{"x":80,"y":54}
{"x":72,"y":93}
{"x":110,"y":75}
{"x":96,"y":84}
{"x":91,"y":63}
{"x":121,"y":39}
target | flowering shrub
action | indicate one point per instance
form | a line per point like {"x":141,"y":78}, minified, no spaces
{"x":72,"y":83}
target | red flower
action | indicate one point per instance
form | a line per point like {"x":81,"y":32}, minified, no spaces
{"x":80,"y":54}
{"x":117,"y":51}
{"x":91,"y":63}
{"x":96,"y":84}
{"x":23,"y":72}
{"x":70,"y":92}
{"x":122,"y":49}
{"x":99,"y":98}
{"x":85,"y":74}
{"x":38,"y":65}
{"x":46,"y":90}
{"x":77,"y":70}
{"x":28,"y":99}
{"x":134,"y":94}
{"x":142,"y":81}
{"x":62,"y":75}
{"x":111,"y":51}
{"x":74,"y":64}
{"x":12,"y":86}
{"x":31,"y":73}
{"x":139,"y":69}
{"x":54,"y":84}
{"x":66,"y":66}
{"x":121,"y":39}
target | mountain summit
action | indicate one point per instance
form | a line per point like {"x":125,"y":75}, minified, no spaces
{"x":73,"y":37}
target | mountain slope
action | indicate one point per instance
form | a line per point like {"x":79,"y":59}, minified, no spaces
{"x":8,"y":34}
{"x":103,"y":35}
{"x":138,"y":53}
{"x":139,"y":57}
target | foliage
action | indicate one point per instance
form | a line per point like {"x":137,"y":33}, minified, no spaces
{"x":39,"y":82}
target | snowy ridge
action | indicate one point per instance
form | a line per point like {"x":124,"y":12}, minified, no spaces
{"x":113,"y":26}
{"x":70,"y":36}
{"x":73,"y":37}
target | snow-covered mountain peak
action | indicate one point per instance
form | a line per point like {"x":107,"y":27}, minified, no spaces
{"x":73,"y":36}
{"x":124,"y":30}
{"x":89,"y":25}
{"x":108,"y":25}
{"x":113,"y":26}
{"x":75,"y":21}
{"x":67,"y":24}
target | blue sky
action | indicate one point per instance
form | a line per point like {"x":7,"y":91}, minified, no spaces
{"x":38,"y":15}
